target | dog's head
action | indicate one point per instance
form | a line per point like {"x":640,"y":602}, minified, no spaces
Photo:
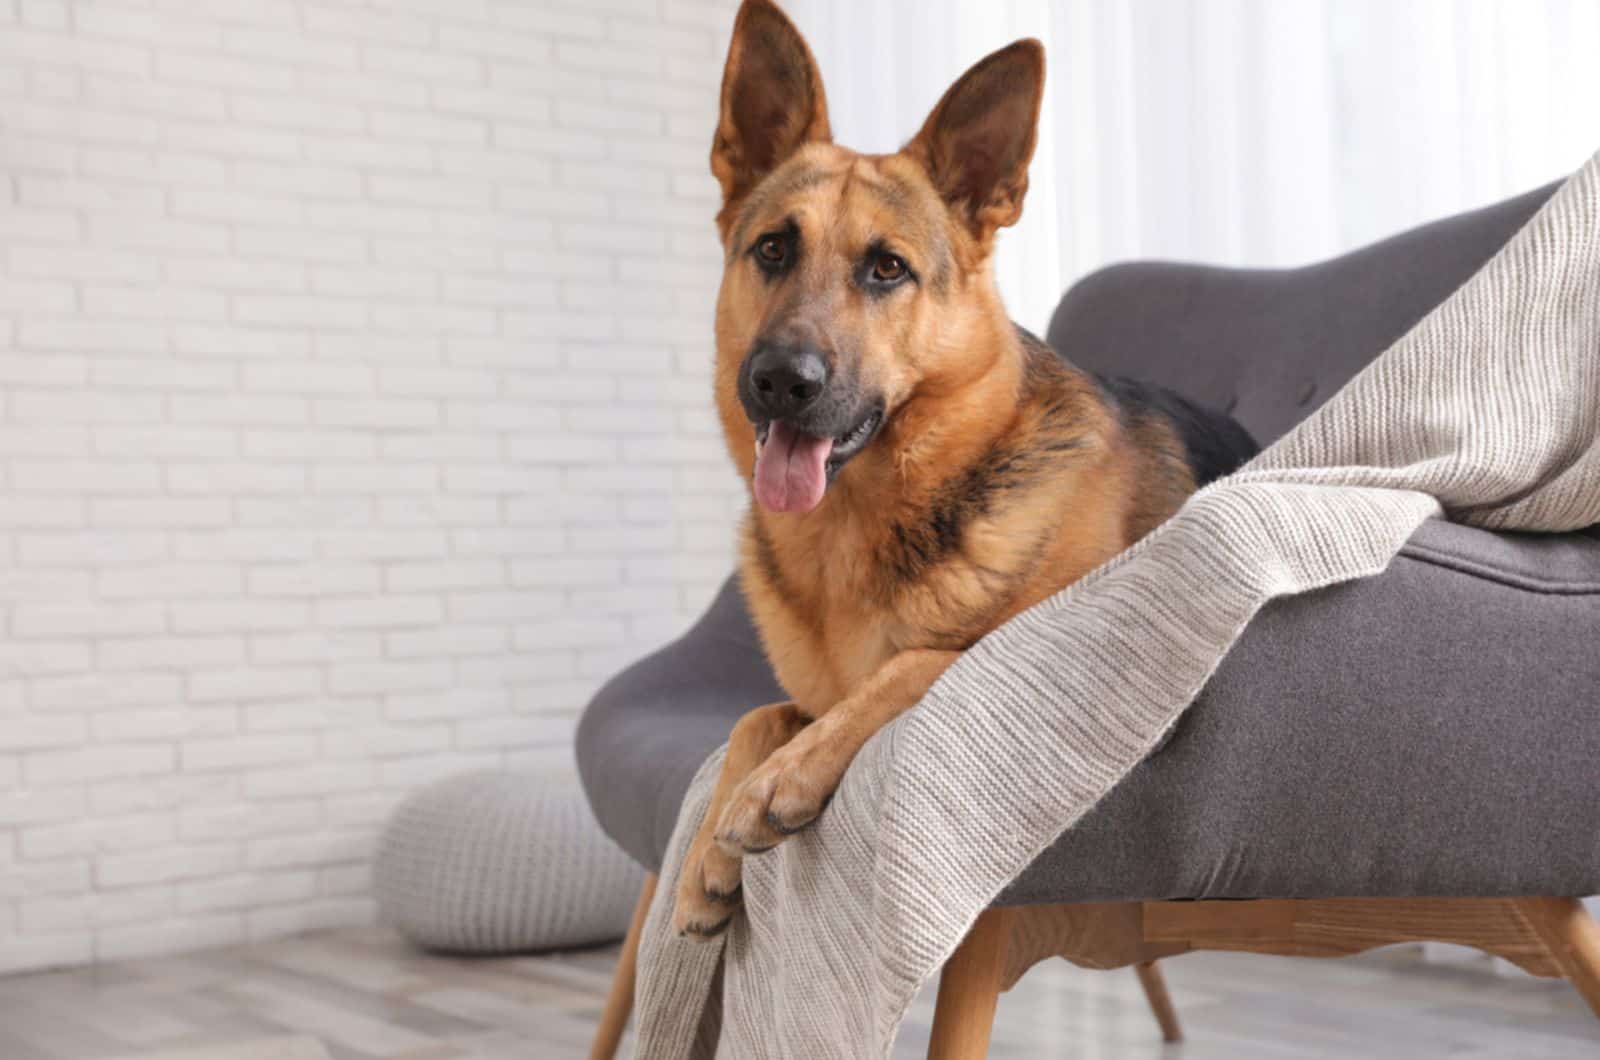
{"x":853,"y":283}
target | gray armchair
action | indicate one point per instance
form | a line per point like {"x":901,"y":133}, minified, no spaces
{"x":1432,"y":731}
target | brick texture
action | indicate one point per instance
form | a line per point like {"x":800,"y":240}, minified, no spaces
{"x":355,"y":425}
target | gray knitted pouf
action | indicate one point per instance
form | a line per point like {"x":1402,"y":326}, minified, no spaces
{"x":499,"y":862}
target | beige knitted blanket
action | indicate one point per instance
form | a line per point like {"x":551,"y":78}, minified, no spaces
{"x":1488,"y":412}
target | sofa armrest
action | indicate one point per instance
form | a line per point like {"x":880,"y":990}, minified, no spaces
{"x":1563,"y":564}
{"x":648,"y":729}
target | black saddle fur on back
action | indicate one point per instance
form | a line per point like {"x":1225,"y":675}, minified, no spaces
{"x":1216,"y":442}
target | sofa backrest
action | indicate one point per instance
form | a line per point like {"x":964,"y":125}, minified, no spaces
{"x":1269,"y":345}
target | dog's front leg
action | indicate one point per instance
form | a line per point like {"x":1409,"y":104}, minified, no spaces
{"x":788,"y":790}
{"x":708,"y":884}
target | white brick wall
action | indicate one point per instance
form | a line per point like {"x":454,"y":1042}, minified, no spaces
{"x":355,"y":425}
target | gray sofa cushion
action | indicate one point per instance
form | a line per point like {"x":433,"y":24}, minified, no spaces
{"x":1432,"y":730}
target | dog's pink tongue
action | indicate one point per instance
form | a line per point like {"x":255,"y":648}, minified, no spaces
{"x":791,"y":469}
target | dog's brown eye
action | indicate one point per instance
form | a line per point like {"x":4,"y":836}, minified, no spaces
{"x":771,"y":250}
{"x":886,"y":268}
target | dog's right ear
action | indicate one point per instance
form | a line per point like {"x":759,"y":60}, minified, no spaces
{"x":977,"y":143}
{"x":772,"y":100}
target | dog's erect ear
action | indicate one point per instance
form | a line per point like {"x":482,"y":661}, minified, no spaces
{"x":772,"y":100}
{"x":978,"y":141}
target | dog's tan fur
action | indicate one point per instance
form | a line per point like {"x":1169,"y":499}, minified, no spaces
{"x":1000,"y":474}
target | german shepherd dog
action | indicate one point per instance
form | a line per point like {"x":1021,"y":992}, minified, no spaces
{"x":921,"y":468}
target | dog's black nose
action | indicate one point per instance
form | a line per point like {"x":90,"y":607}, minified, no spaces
{"x":783,"y":381}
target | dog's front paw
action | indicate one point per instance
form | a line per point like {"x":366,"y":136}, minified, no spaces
{"x":783,"y":795}
{"x":708,"y":891}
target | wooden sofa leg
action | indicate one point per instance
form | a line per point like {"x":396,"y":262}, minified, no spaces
{"x":619,"y":1002}
{"x":1155,"y":991}
{"x":969,"y":989}
{"x":1573,"y":939}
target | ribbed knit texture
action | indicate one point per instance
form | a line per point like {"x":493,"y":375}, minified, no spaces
{"x":1487,"y":411}
{"x":501,"y":862}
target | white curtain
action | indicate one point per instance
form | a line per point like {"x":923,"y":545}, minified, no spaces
{"x":1244,"y":132}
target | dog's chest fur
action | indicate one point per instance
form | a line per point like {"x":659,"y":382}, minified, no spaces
{"x":829,"y":624}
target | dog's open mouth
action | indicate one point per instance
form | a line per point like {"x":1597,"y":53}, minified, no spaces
{"x":793,"y":468}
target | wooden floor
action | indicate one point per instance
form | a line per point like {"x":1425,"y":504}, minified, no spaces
{"x":352,"y":995}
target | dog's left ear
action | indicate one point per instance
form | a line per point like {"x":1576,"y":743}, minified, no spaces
{"x":772,"y":100}
{"x":978,"y":141}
